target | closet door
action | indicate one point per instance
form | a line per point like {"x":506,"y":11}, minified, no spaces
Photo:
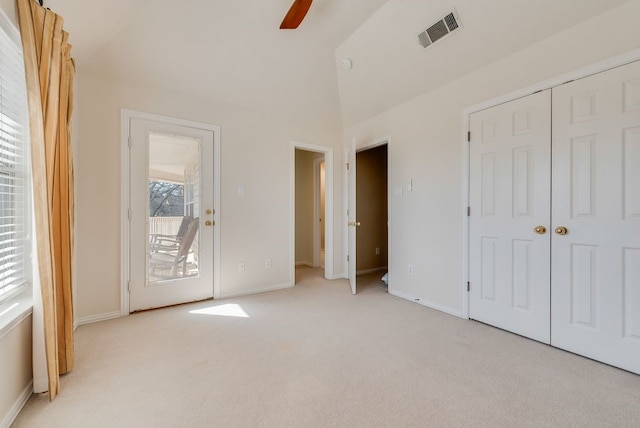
{"x":596,"y":217}
{"x":510,"y":172}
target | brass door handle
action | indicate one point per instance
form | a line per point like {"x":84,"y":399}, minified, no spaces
{"x":208,"y":223}
{"x":540,"y":230}
{"x":354,"y":223}
{"x":561,"y":230}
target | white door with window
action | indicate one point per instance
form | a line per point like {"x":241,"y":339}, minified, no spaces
{"x":171,"y":233}
{"x":509,"y":198}
{"x":578,"y":263}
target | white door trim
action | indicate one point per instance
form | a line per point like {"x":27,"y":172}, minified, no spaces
{"x":317,"y":217}
{"x":589,"y":70}
{"x":328,"y":207}
{"x":125,"y":162}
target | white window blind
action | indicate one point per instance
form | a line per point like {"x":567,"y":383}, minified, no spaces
{"x":15,"y":268}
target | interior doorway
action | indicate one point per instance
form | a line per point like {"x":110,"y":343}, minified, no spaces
{"x":372,"y":234}
{"x":309,"y":215}
{"x":311,"y":209}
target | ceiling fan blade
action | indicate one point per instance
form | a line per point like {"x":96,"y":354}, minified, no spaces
{"x":296,"y":14}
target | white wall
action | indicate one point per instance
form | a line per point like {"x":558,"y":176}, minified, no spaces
{"x":426,"y":147}
{"x":255,"y":153}
{"x":15,"y":369}
{"x":10,"y":9}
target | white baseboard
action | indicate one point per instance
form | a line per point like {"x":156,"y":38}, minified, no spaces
{"x":366,"y":271}
{"x":97,"y":318}
{"x":414,"y":299}
{"x":17,"y":407}
{"x":257,"y":290}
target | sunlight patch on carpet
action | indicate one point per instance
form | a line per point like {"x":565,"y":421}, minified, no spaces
{"x":228,"y":310}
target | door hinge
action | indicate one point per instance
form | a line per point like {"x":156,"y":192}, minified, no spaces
{"x":347,"y":167}
{"x":129,"y":142}
{"x":468,"y":211}
{"x":469,"y":136}
{"x":347,"y":257}
{"x":129,"y":286}
{"x":468,"y":285}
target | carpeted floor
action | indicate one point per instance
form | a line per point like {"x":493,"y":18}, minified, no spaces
{"x":316,"y":356}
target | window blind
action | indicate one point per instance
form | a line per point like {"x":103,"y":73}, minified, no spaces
{"x":15,"y":268}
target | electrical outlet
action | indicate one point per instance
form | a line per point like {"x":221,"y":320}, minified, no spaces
{"x":267,"y":263}
{"x":410,"y":270}
{"x":377,"y":251}
{"x":241,"y":266}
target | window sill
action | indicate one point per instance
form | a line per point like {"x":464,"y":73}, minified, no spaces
{"x":14,"y":310}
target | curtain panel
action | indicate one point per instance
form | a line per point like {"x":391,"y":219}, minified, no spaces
{"x":50,"y":73}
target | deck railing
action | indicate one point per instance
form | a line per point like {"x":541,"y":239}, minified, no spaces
{"x":164,"y":225}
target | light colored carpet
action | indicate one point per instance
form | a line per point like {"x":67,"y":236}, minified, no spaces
{"x":316,"y":356}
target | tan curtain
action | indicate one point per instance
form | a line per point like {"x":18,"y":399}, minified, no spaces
{"x":50,"y":74}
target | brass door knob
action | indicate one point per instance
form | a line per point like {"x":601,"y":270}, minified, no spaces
{"x":540,"y":230}
{"x":208,"y":223}
{"x":357,"y":224}
{"x":562,"y":230}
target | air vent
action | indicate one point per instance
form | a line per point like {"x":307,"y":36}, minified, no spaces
{"x":439,"y":30}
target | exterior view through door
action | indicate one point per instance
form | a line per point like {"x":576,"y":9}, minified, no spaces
{"x":554,"y":240}
{"x":172,"y":214}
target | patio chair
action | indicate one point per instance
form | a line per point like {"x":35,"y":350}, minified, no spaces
{"x":175,"y":259}
{"x":161,"y":242}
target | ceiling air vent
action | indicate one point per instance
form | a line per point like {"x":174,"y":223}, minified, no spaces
{"x":439,"y":30}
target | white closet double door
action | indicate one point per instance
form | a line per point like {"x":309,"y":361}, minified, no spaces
{"x":555,"y":216}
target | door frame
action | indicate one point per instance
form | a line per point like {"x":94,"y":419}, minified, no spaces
{"x":589,"y":70}
{"x":126,"y":116}
{"x":318,"y":217}
{"x":328,"y":208}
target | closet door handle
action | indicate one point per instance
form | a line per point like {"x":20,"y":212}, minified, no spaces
{"x":540,"y":230}
{"x":561,"y":230}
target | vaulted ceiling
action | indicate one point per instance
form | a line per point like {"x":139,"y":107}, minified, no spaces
{"x":234,"y":51}
{"x":385,"y":48}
